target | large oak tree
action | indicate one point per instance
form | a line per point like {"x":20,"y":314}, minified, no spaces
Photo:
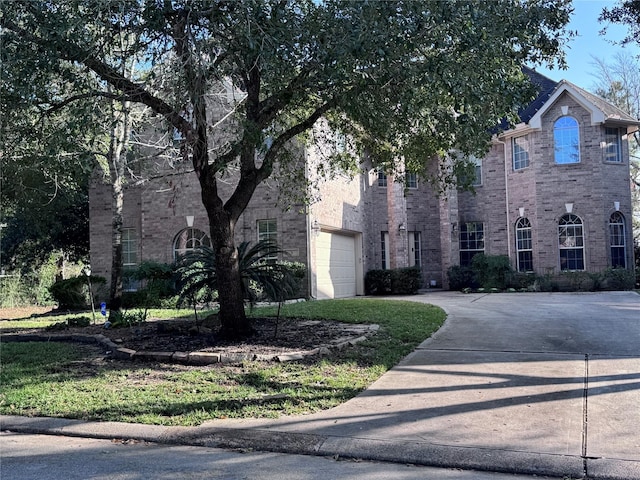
{"x":406,"y":80}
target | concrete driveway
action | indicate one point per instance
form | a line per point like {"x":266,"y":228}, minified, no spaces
{"x":545,"y":383}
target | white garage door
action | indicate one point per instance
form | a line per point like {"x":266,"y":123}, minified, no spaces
{"x":336,"y":265}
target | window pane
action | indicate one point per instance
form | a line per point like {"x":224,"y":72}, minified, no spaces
{"x":189,"y":240}
{"x":613,"y":147}
{"x":129,"y":260}
{"x":129,"y":247}
{"x":471,"y":241}
{"x":520,"y":152}
{"x":524,"y":245}
{"x":382,"y":178}
{"x":617,"y":240}
{"x":415,"y":254}
{"x":412,"y":180}
{"x":566,"y":139}
{"x":384,"y":238}
{"x":571,"y":243}
{"x":267,"y":230}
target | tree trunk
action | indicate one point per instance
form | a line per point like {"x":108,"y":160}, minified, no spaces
{"x":115,"y":292}
{"x":121,"y":129}
{"x":230,"y":293}
{"x":232,"y":315}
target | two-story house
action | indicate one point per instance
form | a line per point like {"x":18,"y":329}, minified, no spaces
{"x":553,"y":194}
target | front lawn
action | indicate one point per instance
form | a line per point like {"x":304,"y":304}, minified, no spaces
{"x":74,"y":381}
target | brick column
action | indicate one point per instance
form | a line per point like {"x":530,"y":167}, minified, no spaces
{"x":397,"y":214}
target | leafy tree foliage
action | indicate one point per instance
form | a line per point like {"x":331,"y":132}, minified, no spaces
{"x":626,"y":12}
{"x":44,"y":162}
{"x":406,"y":80}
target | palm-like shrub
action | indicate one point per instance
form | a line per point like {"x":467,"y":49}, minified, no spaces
{"x":261,"y":277}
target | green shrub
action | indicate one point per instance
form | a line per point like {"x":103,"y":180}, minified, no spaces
{"x":618,"y":279}
{"x":460,"y":277}
{"x":159,"y":283}
{"x":15,"y":291}
{"x":297,"y":271}
{"x":70,"y":322}
{"x":73,"y":293}
{"x":491,"y":271}
{"x":575,"y":282}
{"x":128,"y":318}
{"x":79,"y":321}
{"x":405,"y":281}
{"x":521,"y":281}
{"x":399,"y":281}
{"x":378,"y":282}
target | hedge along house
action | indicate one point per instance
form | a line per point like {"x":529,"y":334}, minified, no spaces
{"x":553,"y":194}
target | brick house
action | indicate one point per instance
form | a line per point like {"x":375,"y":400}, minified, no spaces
{"x":553,"y":194}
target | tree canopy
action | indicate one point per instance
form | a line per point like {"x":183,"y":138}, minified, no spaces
{"x":406,"y":80}
{"x":626,"y":12}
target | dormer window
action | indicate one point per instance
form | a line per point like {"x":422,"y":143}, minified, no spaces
{"x":566,"y":140}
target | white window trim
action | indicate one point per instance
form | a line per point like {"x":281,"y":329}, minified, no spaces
{"x":525,"y":138}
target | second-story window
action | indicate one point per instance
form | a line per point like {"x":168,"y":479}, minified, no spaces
{"x":566,"y":140}
{"x":382,"y":178}
{"x":613,"y":145}
{"x":412,"y":179}
{"x":520,"y":152}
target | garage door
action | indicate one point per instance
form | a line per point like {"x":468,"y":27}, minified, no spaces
{"x":336,"y":265}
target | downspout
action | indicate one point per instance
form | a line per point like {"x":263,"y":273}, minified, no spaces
{"x":506,"y":196}
{"x":310,"y":231}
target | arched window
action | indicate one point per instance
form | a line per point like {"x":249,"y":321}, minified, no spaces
{"x":571,"y":242}
{"x":566,"y":140}
{"x":188,"y":240}
{"x":524,"y":245}
{"x":617,"y":240}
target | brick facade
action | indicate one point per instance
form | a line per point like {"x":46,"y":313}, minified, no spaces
{"x":398,"y":218}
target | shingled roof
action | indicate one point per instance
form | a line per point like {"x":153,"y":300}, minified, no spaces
{"x":546,"y":87}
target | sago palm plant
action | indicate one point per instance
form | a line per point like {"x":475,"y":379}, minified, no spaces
{"x":261,"y":277}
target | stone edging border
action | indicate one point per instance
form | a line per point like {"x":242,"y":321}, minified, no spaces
{"x":361,"y":332}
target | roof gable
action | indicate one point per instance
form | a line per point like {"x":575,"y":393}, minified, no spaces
{"x":601,"y":111}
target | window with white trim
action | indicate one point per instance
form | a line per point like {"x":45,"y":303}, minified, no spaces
{"x":384,"y":250}
{"x":188,"y":241}
{"x":471,"y":241}
{"x":617,"y":240}
{"x":268,"y":231}
{"x":477,"y":171}
{"x":571,"y":242}
{"x":566,"y":140}
{"x":520,"y":150}
{"x":415,"y":249}
{"x":412,"y":179}
{"x":382,"y":178}
{"x":612,"y":145}
{"x":129,"y":259}
{"x":524,"y":245}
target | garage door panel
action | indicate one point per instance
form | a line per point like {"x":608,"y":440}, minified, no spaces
{"x":336,"y":265}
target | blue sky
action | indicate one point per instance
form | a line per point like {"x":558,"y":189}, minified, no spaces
{"x":589,"y":43}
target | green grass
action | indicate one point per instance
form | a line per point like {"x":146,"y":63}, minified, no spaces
{"x":68,"y":380}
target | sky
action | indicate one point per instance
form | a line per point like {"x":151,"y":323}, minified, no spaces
{"x":589,"y":43}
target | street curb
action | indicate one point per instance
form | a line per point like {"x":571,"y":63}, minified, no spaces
{"x":407,"y":452}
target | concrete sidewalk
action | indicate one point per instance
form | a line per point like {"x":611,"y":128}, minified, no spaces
{"x":545,"y":384}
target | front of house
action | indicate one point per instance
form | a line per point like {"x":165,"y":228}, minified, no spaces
{"x":553,"y":194}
